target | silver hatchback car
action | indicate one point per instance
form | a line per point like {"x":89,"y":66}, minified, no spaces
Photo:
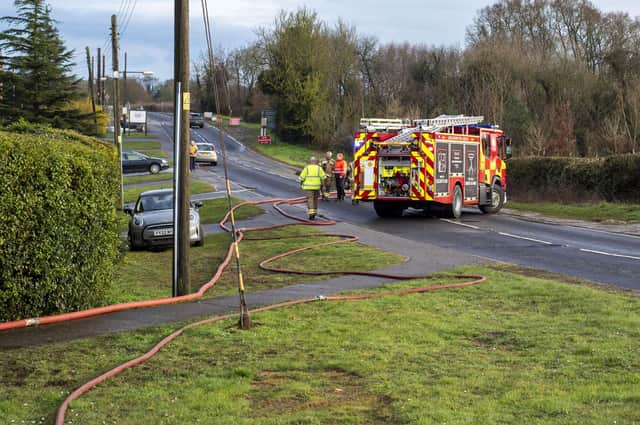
{"x":151,"y":221}
{"x":207,"y":153}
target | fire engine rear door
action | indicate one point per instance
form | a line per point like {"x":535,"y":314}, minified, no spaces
{"x":418,"y":177}
{"x":367,"y":172}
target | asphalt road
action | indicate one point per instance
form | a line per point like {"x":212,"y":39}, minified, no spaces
{"x":592,"y":254}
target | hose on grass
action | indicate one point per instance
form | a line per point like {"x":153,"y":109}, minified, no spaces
{"x":468,"y":280}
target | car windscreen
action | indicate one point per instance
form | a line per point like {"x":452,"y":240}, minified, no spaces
{"x":154,"y":203}
{"x":205,"y":148}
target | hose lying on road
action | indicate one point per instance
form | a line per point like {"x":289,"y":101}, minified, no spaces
{"x":469,"y":280}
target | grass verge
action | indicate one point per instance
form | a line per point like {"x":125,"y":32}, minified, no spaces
{"x":601,"y":212}
{"x":148,"y":178}
{"x":196,"y":186}
{"x":517,"y":349}
{"x":147,"y":274}
{"x":279,"y":150}
{"x":214,"y":210}
{"x":155,"y":153}
{"x":141,"y":146}
{"x":135,"y":135}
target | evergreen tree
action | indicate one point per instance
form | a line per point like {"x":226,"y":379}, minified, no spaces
{"x":35,"y":77}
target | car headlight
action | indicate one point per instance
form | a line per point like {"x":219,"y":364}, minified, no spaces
{"x":138,"y":220}
{"x":164,"y":162}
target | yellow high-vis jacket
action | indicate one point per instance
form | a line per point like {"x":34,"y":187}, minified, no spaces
{"x":311,"y":177}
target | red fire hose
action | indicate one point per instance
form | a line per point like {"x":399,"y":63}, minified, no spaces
{"x":60,"y":417}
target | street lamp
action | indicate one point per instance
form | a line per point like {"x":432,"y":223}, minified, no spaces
{"x":146,"y":74}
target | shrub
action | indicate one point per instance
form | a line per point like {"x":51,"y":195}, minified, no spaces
{"x":612,"y":179}
{"x":58,"y":236}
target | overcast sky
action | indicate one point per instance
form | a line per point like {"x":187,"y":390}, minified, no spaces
{"x":148,"y":37}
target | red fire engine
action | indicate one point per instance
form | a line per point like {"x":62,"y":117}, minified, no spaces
{"x":437,"y":164}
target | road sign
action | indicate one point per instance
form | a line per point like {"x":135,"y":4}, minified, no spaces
{"x":138,"y":117}
{"x":234,"y":121}
{"x":264,"y":140}
{"x":270,"y":115}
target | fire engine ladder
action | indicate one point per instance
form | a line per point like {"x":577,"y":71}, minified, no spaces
{"x":405,"y":132}
{"x":383,"y":124}
{"x":443,"y":121}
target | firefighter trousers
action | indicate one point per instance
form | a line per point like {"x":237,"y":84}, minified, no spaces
{"x":312,"y":202}
{"x":340,"y":186}
{"x":326,"y":188}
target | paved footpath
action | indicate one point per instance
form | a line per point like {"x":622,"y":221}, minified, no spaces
{"x":422,"y":259}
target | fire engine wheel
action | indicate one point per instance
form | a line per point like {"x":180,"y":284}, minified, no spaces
{"x":388,"y":209}
{"x":497,"y":200}
{"x":455,"y":209}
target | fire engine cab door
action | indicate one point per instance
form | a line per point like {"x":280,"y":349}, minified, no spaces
{"x":417,"y":178}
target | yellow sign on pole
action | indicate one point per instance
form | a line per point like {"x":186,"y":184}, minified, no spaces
{"x":186,"y":101}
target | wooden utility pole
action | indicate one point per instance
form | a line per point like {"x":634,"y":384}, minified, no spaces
{"x":117,"y":138}
{"x":124,"y":94}
{"x":99,"y":78}
{"x":181,"y":74}
{"x":91,"y":91}
{"x":104,"y":74}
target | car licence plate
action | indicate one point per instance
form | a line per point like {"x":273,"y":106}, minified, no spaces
{"x":163,"y":232}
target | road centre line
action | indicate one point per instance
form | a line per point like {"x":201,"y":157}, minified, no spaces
{"x":525,"y":238}
{"x":609,"y":254}
{"x":500,"y":233}
{"x":461,"y":224}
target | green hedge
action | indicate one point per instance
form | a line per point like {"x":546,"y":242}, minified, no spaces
{"x":58,"y":237}
{"x":612,"y":179}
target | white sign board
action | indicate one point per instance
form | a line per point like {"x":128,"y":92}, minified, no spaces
{"x":208,"y":115}
{"x":138,"y":117}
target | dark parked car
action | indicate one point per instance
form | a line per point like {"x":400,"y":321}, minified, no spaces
{"x":136,"y":162}
{"x":151,"y":221}
{"x":196,"y":120}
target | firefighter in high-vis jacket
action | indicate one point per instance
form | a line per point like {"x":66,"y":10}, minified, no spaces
{"x":327,"y":165}
{"x":311,"y":179}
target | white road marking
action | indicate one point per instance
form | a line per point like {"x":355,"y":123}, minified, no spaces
{"x":525,"y":238}
{"x":460,"y":224}
{"x":609,"y":254}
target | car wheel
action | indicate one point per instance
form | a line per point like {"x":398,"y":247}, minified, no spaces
{"x":154,"y":169}
{"x":200,"y":241}
{"x":132,"y":245}
{"x":201,"y":125}
{"x":214,"y":163}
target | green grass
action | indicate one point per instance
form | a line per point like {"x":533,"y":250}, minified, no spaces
{"x":147,"y":274}
{"x":291,"y":154}
{"x":519,"y":349}
{"x":214,"y":210}
{"x":155,"y":153}
{"x":197,"y":186}
{"x":601,"y":212}
{"x":279,"y":150}
{"x":141,"y":146}
{"x":148,"y":178}
{"x":109,"y":136}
